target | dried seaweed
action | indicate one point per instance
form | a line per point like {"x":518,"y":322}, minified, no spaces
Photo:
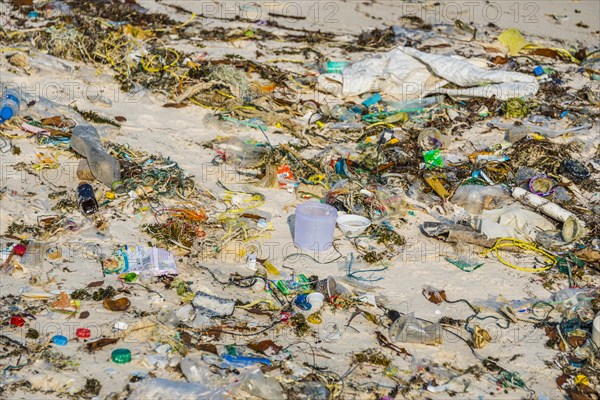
{"x":92,"y":116}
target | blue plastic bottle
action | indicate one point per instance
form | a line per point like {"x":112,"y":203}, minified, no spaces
{"x":10,"y":104}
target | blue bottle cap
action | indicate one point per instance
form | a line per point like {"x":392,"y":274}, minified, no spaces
{"x":302,"y":302}
{"x":60,"y":340}
{"x":538,"y":70}
{"x":6,"y":113}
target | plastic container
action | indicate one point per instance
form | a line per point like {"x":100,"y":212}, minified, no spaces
{"x":352,"y":225}
{"x":105,"y":168}
{"x":10,"y":104}
{"x":327,"y":287}
{"x":315,"y":225}
{"x":316,"y":300}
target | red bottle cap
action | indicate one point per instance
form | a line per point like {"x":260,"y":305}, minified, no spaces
{"x":82,"y":333}
{"x":19,"y":249}
{"x":17,"y":321}
{"x":285,"y":316}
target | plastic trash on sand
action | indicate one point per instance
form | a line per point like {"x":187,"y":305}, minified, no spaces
{"x":254,"y":382}
{"x":157,"y":388}
{"x":573,"y":228}
{"x":409,"y":329}
{"x":208,"y":306}
{"x":133,"y":258}
{"x":406,"y":73}
{"x":86,"y":141}
{"x":475,"y":198}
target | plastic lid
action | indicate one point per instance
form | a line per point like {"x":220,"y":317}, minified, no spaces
{"x":60,"y":340}
{"x":6,"y":113}
{"x":121,"y":356}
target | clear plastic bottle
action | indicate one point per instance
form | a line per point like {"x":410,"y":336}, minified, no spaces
{"x":105,"y":168}
{"x":10,"y":104}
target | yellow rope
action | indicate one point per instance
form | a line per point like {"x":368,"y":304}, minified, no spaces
{"x":512,"y":242}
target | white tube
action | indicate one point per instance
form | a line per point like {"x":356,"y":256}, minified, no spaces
{"x":573,"y":227}
{"x":542,"y":204}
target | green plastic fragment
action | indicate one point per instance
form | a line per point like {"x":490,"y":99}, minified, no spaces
{"x":433,"y":159}
{"x":463,"y":264}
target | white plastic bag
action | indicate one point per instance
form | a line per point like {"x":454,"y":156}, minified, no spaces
{"x":406,"y":73}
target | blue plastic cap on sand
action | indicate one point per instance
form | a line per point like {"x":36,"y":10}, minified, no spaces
{"x":60,"y":340}
{"x":6,"y":113}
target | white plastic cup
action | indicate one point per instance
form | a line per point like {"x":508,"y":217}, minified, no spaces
{"x":353,"y":225}
{"x":315,"y":225}
{"x":316,"y":300}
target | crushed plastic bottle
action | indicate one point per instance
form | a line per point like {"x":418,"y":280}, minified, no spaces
{"x":105,"y":168}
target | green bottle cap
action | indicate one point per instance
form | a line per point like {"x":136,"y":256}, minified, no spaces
{"x":130,"y":277}
{"x":121,"y":356}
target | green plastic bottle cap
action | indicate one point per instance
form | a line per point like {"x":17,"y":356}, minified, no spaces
{"x":130,"y":277}
{"x":121,"y":356}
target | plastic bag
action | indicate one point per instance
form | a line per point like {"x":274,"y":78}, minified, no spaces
{"x":406,"y":73}
{"x":475,"y":198}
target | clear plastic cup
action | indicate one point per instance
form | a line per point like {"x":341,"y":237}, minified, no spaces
{"x":315,"y":225}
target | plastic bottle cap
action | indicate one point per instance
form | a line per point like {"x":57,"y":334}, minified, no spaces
{"x":60,"y":340}
{"x":19,"y":249}
{"x":121,"y":356}
{"x":82,"y":333}
{"x":17,"y":321}
{"x":6,"y":113}
{"x":130,"y":277}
